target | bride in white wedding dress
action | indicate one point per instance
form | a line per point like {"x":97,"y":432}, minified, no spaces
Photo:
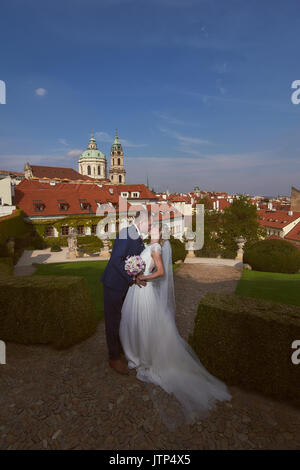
{"x":152,"y":344}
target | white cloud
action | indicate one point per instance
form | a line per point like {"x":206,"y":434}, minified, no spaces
{"x":74,"y":153}
{"x":127,"y":143}
{"x":63,"y":142}
{"x":260,"y":173}
{"x":19,"y":160}
{"x":221,"y":68}
{"x":184,"y":139}
{"x":105,"y":137}
{"x":41,"y":91}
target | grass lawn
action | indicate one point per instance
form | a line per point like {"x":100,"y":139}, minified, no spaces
{"x":282,"y":288}
{"x":91,"y":270}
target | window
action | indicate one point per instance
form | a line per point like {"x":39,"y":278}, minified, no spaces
{"x":89,"y":170}
{"x":119,"y":153}
{"x":99,"y":170}
{"x":119,"y":161}
{"x":80,"y":229}
{"x":64,"y":230}
{"x":63,"y":205}
{"x":39,"y":206}
{"x":120,"y":178}
{"x":84,"y":204}
{"x":123,"y":194}
{"x":94,"y":229}
{"x":49,"y":232}
{"x":135,"y":195}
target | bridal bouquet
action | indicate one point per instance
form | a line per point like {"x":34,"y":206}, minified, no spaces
{"x":134,"y":265}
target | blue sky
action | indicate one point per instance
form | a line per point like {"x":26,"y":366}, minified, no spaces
{"x":200,"y":90}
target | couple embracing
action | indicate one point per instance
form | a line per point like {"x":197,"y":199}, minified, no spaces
{"x":140,"y":322}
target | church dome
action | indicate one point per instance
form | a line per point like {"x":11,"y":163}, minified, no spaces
{"x":92,"y":153}
{"x":92,"y":150}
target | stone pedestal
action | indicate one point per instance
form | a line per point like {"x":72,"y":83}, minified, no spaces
{"x":72,"y":244}
{"x":190,"y":249}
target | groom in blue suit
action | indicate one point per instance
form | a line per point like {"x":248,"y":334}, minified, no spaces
{"x":116,"y":283}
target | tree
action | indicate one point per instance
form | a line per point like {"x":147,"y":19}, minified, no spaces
{"x":221,"y":230}
{"x":240,"y":219}
{"x":212,"y":239}
{"x":206,"y":201}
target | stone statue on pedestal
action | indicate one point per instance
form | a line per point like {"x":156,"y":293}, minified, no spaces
{"x":72,"y":243}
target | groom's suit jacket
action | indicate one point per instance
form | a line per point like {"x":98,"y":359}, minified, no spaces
{"x":127,"y":243}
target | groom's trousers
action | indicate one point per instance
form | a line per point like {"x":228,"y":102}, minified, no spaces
{"x":113,"y":301}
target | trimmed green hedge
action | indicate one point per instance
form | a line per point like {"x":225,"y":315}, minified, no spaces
{"x":55,"y":248}
{"x":273,"y":255}
{"x":12,"y":226}
{"x":61,"y":241}
{"x":6,"y":266}
{"x":46,"y":309}
{"x":247,"y":342}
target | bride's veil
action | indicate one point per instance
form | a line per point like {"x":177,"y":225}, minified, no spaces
{"x":167,"y":406}
{"x":166,"y":283}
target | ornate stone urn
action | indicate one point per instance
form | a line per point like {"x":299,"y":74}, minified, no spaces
{"x":190,"y":249}
{"x":240,"y":253}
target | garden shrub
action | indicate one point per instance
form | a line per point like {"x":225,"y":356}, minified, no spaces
{"x":273,"y":255}
{"x":4,"y":251}
{"x":61,"y":241}
{"x":178,"y":249}
{"x":55,"y":310}
{"x":6,"y":266}
{"x":247,"y":342}
{"x":12,"y":226}
{"x":55,"y":248}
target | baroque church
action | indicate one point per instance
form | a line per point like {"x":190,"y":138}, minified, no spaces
{"x":92,"y":162}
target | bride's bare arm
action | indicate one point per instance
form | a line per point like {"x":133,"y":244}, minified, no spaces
{"x":160,"y":271}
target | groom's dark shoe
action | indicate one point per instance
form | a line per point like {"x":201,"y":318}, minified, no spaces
{"x":119,"y":366}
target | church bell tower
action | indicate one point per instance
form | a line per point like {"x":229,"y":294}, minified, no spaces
{"x":117,"y":172}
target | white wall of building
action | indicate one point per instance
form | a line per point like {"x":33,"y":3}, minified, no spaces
{"x":6,"y":191}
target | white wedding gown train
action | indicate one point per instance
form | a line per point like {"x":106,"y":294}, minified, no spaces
{"x":153,"y":346}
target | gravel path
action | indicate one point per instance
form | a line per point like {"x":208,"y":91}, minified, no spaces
{"x":72,"y":400}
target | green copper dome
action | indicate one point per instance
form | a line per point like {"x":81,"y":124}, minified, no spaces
{"x":92,"y":150}
{"x":92,"y":153}
{"x":117,"y":144}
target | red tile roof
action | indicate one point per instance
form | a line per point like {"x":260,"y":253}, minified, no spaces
{"x":276,"y":219}
{"x":52,"y":172}
{"x":294,"y":234}
{"x":145,"y":192}
{"x":223,"y":203}
{"x":11,"y":172}
{"x":31,"y":192}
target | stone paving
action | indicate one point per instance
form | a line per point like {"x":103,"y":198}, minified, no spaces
{"x":72,"y":400}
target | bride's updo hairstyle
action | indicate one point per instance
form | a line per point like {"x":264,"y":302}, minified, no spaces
{"x":163,"y":230}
